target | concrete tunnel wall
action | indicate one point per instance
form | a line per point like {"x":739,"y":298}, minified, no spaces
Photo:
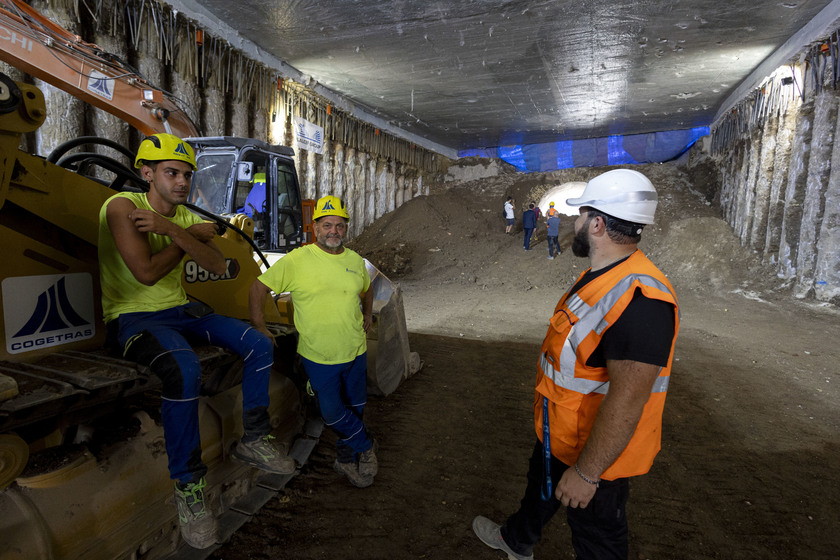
{"x":778,"y":156}
{"x":371,"y":183}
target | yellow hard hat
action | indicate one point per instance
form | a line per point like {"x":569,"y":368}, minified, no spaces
{"x":330,"y":206}
{"x":551,"y":204}
{"x":163,"y":147}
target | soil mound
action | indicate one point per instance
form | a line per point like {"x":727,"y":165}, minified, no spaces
{"x":456,"y":235}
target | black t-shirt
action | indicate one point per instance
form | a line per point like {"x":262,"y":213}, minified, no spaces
{"x":643,"y":333}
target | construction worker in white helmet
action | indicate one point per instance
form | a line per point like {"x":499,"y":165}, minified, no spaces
{"x":602,"y":379}
{"x":327,"y":282}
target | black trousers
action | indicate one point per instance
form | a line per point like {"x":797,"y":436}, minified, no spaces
{"x":599,"y":531}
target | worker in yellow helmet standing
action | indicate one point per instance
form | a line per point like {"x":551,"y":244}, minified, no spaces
{"x":143,"y":238}
{"x":327,"y":282}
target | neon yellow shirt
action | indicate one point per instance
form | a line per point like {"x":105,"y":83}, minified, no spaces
{"x":325,"y":292}
{"x":121,"y":292}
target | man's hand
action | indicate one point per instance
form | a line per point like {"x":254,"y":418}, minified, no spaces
{"x":368,"y":322}
{"x":263,"y":329}
{"x":147,"y":221}
{"x":573,"y":491}
{"x":203,"y":232}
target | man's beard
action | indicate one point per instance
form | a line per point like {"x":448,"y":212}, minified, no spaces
{"x":580,"y":244}
{"x":333,"y":242}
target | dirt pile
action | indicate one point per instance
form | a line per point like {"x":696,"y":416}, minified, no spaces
{"x":456,"y":235}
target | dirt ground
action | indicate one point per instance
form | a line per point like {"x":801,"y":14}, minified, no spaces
{"x":750,"y":445}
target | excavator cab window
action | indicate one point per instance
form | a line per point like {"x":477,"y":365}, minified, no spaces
{"x":288,"y":207}
{"x":209,"y":185}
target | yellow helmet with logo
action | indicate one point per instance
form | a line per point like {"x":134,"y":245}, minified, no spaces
{"x":551,"y":204}
{"x":163,"y":147}
{"x":330,"y":206}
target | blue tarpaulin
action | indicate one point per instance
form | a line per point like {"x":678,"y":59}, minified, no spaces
{"x":656,"y":147}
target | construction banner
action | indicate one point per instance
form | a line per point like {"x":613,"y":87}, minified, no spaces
{"x":309,"y":136}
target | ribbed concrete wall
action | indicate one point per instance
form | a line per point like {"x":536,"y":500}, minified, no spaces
{"x":780,"y":189}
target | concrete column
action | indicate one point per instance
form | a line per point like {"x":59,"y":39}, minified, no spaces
{"x":390,"y":185}
{"x":102,"y":123}
{"x":763,"y":180}
{"x":65,"y":113}
{"x":775,"y":202}
{"x":827,"y":270}
{"x":240,"y":119}
{"x":338,"y":186}
{"x":325,"y":161}
{"x":381,"y":188}
{"x":311,"y":171}
{"x":187,"y":91}
{"x":795,"y":191}
{"x":213,"y":116}
{"x":259,"y":128}
{"x":819,"y":169}
{"x":359,"y":196}
{"x":370,"y":190}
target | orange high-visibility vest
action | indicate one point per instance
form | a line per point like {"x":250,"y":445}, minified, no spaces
{"x":575,"y":390}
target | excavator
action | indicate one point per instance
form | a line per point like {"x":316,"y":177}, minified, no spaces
{"x":82,"y":463}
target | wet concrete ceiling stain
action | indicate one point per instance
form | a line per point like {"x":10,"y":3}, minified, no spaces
{"x":484,"y":73}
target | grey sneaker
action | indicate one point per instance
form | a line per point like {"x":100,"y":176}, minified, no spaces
{"x":351,"y":471}
{"x":488,"y":532}
{"x":198,"y":524}
{"x":263,"y":454}
{"x":368,"y":464}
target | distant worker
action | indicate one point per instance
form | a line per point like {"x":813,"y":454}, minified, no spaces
{"x":551,"y":210}
{"x":509,"y":219}
{"x":254,"y":204}
{"x":328,"y":282}
{"x":538,"y":213}
{"x":602,"y":378}
{"x":529,"y":223}
{"x":553,"y":225}
{"x":143,"y":238}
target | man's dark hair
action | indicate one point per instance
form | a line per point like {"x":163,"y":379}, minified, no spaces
{"x":531,"y":206}
{"x":620,"y":231}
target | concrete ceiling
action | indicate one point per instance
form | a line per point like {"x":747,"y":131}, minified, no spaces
{"x":483,"y":73}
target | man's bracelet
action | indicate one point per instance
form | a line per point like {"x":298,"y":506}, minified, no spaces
{"x":585,"y":478}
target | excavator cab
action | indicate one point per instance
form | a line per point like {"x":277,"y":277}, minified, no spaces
{"x":241,"y":176}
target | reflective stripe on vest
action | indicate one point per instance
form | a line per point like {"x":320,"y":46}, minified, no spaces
{"x":591,"y":319}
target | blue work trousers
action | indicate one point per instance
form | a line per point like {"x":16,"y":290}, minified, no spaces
{"x":342,"y":395}
{"x":161,"y":341}
{"x":599,"y":531}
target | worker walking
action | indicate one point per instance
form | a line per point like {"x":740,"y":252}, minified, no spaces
{"x":328,"y":282}
{"x":553,"y":226}
{"x":602,"y":378}
{"x":143,"y":238}
{"x":529,"y":223}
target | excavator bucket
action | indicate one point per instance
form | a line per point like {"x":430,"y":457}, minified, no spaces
{"x":389,"y":359}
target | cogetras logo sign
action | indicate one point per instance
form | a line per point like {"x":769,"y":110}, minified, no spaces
{"x":50,"y":310}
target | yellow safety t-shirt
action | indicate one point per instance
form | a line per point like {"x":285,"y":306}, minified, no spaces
{"x":121,"y":292}
{"x":325,"y":292}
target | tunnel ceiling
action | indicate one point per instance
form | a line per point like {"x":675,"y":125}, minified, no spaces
{"x":481,"y":73}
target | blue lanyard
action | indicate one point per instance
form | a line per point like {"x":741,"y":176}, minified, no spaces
{"x":545,"y":490}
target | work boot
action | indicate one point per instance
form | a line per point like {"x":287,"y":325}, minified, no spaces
{"x":351,"y":471}
{"x":198,"y":524}
{"x":263,"y":454}
{"x":368,"y":464}
{"x":489,"y":533}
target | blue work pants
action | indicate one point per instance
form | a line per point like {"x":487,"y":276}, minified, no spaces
{"x":342,"y":395}
{"x":161,"y":341}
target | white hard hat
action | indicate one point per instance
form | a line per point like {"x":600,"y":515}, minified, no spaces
{"x":621,"y":193}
